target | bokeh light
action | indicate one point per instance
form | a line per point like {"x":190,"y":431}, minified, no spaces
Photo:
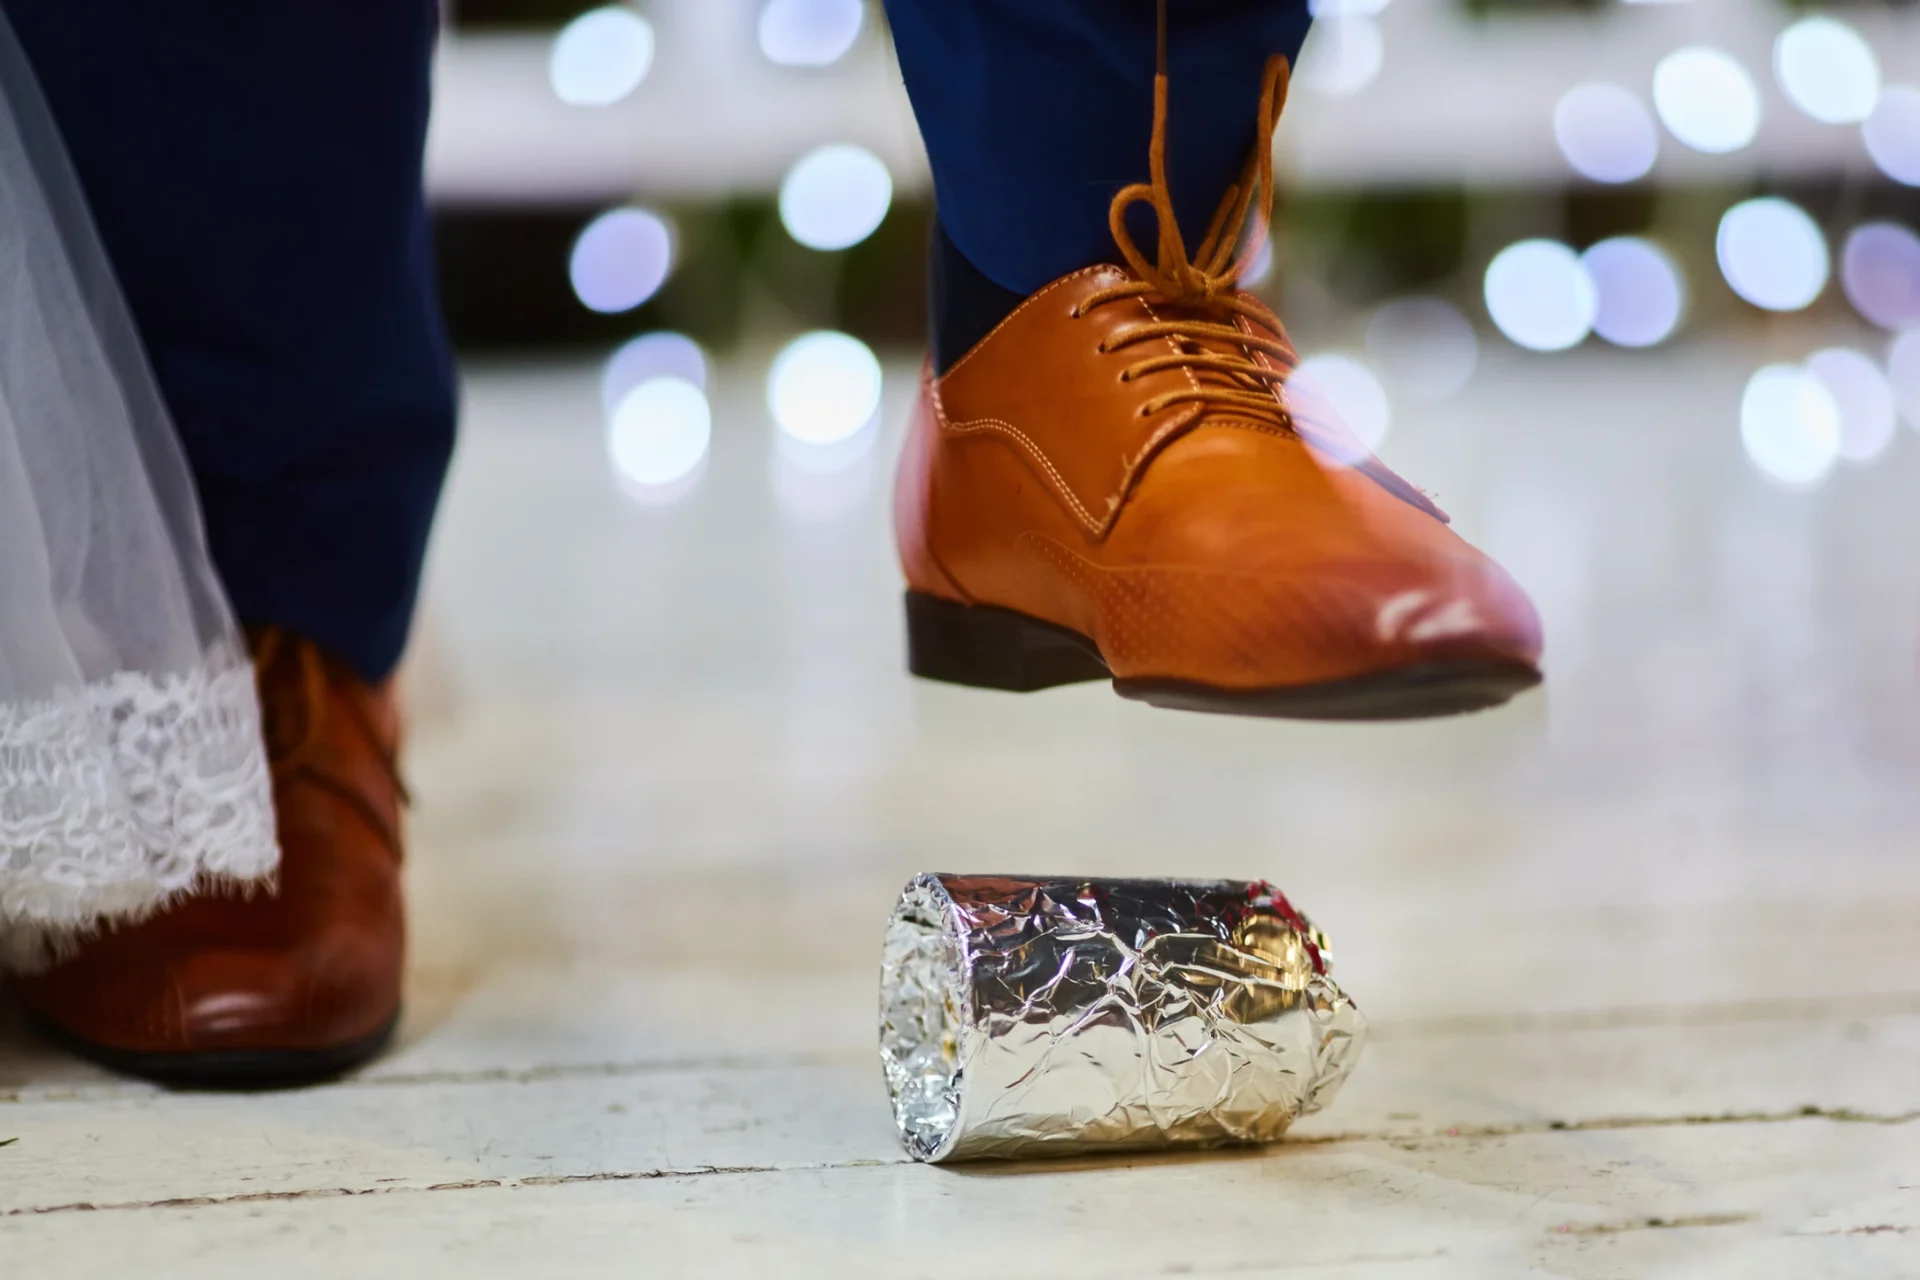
{"x":1640,"y":294}
{"x":1540,"y":296}
{"x":823,"y":388}
{"x":1343,"y":55}
{"x":1606,"y":133}
{"x":1706,"y":99}
{"x":1773,"y":254}
{"x":835,"y":197}
{"x":1903,"y":371}
{"x":1322,"y":9}
{"x":1346,"y":387}
{"x":1424,"y":347}
{"x":1790,"y":425}
{"x":1827,"y":70}
{"x":1863,"y":397}
{"x":620,"y":260}
{"x":1892,"y":134}
{"x":818,"y":483}
{"x":659,"y":432}
{"x":600,"y":57}
{"x":810,"y":33}
{"x":1260,"y":270}
{"x":649,"y":356}
{"x":1880,"y":270}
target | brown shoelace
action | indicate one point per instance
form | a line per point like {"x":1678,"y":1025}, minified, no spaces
{"x":1209,"y":281}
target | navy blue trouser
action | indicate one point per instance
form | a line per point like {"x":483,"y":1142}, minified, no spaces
{"x":1035,"y":112}
{"x":254,"y":168}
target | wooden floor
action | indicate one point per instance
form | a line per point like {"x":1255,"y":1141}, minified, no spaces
{"x":1642,"y":951}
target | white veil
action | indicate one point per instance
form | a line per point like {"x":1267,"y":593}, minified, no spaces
{"x":131,"y":761}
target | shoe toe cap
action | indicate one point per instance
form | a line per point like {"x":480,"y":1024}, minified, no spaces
{"x":308,"y":998}
{"x":216,"y":999}
{"x":1309,"y":624}
{"x":1233,"y":569}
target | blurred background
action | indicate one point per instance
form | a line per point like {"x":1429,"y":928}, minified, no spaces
{"x":654,"y":183}
{"x":1633,"y":288}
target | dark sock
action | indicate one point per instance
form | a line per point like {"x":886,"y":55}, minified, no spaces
{"x":964,"y":306}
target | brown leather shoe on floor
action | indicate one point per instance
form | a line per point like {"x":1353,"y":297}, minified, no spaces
{"x":249,"y":989}
{"x":1119,"y":483}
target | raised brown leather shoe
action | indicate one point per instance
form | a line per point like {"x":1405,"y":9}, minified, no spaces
{"x":1119,"y":482}
{"x":234,"y":988}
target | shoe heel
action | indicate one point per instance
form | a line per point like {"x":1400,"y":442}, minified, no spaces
{"x":988,"y":648}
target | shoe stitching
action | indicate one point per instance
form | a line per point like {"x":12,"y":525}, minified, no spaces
{"x":1002,"y":427}
{"x":925,"y":546}
{"x":1252,"y":424}
{"x":1063,"y":281}
{"x":1173,"y":344}
{"x":1245,"y":326}
{"x":1131,"y":467}
{"x":1148,"y":450}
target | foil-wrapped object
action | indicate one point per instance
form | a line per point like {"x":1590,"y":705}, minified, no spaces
{"x":1026,"y":1017}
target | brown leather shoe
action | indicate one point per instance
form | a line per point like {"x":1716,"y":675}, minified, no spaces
{"x":1118,"y":482}
{"x":238,"y":989}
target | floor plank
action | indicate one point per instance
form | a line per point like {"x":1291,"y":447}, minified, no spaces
{"x":1743,"y":1200}
{"x":1639,"y":950}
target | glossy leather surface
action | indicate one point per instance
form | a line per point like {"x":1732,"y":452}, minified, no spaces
{"x":1199,"y":542}
{"x":310,"y":965}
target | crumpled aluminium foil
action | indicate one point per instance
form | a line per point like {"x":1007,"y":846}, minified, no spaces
{"x":1025,"y":1017}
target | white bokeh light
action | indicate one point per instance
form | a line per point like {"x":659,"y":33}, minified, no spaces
{"x":1863,"y":397}
{"x":820,"y":482}
{"x":1827,"y":70}
{"x":810,"y":33}
{"x":823,"y":388}
{"x":1260,"y":270}
{"x":1344,"y":385}
{"x":1790,"y":425}
{"x":1641,"y":297}
{"x":1606,"y":133}
{"x":1892,"y":134}
{"x":1903,"y":371}
{"x":1323,"y":9}
{"x":1540,"y":296}
{"x":1343,"y":55}
{"x":620,"y":260}
{"x":659,"y":433}
{"x":1423,"y":346}
{"x":1773,"y":254}
{"x":600,"y":57}
{"x":649,"y":356}
{"x":1880,"y":271}
{"x":835,"y":197}
{"x":1706,"y":99}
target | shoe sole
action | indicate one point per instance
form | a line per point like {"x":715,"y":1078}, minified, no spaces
{"x":228,"y":1070}
{"x":985,"y":647}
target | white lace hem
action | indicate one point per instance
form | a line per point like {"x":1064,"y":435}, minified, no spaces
{"x":121,"y":797}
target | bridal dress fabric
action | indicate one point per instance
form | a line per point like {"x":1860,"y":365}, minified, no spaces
{"x":132,"y":768}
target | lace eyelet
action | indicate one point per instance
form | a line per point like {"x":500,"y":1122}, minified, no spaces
{"x":1126,"y":375}
{"x":1075,"y":313}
